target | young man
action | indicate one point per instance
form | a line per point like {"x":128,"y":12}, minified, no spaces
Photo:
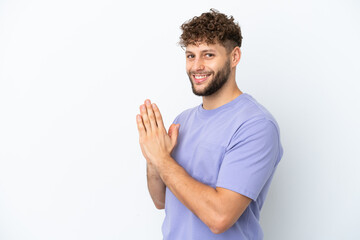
{"x":211,"y":174}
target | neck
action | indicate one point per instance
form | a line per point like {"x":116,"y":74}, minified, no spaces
{"x":226,"y":94}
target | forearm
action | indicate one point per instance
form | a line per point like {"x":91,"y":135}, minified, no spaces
{"x":156,"y":187}
{"x":203,"y":200}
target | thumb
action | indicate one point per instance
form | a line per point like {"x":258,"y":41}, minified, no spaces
{"x":174,"y":133}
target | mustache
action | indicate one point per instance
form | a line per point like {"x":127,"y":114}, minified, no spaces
{"x":200,"y":72}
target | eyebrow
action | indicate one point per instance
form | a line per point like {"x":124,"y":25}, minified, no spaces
{"x":203,"y":51}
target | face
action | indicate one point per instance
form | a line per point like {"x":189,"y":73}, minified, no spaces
{"x":208,"y":68}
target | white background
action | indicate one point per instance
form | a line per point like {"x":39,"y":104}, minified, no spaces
{"x":73,"y":73}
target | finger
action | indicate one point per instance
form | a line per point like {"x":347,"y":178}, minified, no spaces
{"x":158,"y":117}
{"x":171,"y":130}
{"x":140,"y":125}
{"x":151,"y":116}
{"x":174,"y":133}
{"x":145,"y":118}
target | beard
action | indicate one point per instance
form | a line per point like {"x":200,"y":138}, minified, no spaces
{"x":220,"y":78}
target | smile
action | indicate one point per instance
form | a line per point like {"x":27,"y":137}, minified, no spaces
{"x":199,"y":78}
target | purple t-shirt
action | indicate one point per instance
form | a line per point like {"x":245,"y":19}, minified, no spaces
{"x":237,"y":147}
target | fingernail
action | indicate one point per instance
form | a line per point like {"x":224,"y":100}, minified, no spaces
{"x":143,"y":107}
{"x":147,"y":102}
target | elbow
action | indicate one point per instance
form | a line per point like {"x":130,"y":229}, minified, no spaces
{"x":218,"y":229}
{"x":160,"y":206}
{"x":220,"y":225}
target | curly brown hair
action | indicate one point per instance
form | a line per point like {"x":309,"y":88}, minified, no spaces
{"x":211,"y":27}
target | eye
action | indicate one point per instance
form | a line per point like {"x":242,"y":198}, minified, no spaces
{"x":209,"y":55}
{"x":190,"y":56}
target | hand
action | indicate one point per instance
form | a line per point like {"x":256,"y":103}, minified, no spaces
{"x":156,"y":144}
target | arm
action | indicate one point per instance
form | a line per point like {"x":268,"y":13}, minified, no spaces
{"x":218,"y":208}
{"x":156,"y":186}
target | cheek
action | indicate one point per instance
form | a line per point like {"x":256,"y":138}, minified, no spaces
{"x":215,"y":67}
{"x":188,"y":67}
{"x":214,"y":64}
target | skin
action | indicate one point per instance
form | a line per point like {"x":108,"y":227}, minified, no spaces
{"x":218,"y":208}
{"x":204,"y":57}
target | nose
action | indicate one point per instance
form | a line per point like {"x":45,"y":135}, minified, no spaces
{"x":199,"y":65}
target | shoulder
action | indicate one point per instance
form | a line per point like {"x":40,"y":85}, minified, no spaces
{"x":252,"y":122}
{"x":250,"y":112}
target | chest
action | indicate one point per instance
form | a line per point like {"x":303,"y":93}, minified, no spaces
{"x":201,"y":149}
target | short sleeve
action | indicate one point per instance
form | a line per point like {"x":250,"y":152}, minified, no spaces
{"x":250,"y":158}
{"x":176,"y":119}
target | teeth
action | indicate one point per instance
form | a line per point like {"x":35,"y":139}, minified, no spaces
{"x":200,"y":76}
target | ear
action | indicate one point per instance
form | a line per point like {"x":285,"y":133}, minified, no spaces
{"x":235,"y":56}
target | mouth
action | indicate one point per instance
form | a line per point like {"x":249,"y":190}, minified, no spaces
{"x":200,"y":78}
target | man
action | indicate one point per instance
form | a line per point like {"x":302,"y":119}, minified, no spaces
{"x":211,"y":174}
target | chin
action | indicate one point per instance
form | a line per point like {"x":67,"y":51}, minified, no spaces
{"x":199,"y":92}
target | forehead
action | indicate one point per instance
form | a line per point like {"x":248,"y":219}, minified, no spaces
{"x":202,"y":47}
